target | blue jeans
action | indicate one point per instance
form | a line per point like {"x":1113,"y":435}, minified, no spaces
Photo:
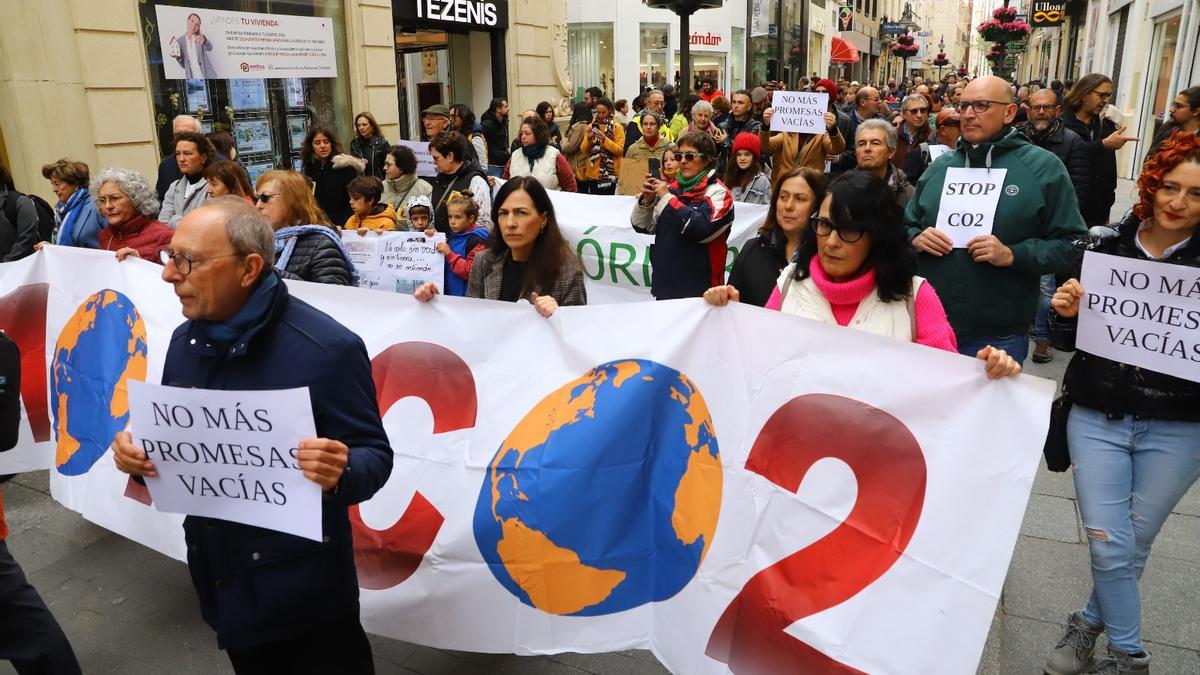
{"x":493,"y":170}
{"x":1129,"y":474}
{"x":1017,"y":346}
{"x":1041,"y":325}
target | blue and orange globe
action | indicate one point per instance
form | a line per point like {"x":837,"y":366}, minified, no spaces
{"x":102,"y":346}
{"x":606,"y":494}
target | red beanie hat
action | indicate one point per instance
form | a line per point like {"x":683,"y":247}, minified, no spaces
{"x":747,"y":141}
{"x":829,"y":86}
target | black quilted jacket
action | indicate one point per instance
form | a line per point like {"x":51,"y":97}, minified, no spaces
{"x":1118,"y":388}
{"x":316,"y":258}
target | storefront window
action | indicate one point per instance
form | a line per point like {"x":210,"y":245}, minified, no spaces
{"x":1166,"y":38}
{"x":422,"y":76}
{"x":268,"y":117}
{"x":655,"y":48}
{"x":590,"y":46}
{"x":737,"y":59}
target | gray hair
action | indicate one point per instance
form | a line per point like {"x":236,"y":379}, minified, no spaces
{"x":877,"y":125}
{"x":133,"y":184}
{"x":192,"y":123}
{"x":647,"y":95}
{"x":702,"y":106}
{"x":247,"y":229}
{"x":912,"y":97}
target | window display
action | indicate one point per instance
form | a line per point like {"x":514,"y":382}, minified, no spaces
{"x":268,"y":116}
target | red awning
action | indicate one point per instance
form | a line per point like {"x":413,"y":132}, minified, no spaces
{"x":843,"y":52}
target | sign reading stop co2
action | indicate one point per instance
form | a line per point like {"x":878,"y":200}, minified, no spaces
{"x":968,"y":205}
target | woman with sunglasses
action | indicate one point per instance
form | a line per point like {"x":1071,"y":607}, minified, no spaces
{"x":306,"y":245}
{"x":689,"y":215}
{"x":856,"y":268}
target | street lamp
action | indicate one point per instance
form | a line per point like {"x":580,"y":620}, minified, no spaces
{"x":684,"y":9}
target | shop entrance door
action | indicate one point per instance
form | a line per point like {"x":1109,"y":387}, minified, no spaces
{"x":705,"y":65}
{"x":1158,"y":83}
{"x":422,"y":76}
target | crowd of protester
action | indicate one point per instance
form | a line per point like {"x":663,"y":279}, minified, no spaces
{"x":850,"y":239}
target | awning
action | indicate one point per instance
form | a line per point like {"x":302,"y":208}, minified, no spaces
{"x":842,"y":52}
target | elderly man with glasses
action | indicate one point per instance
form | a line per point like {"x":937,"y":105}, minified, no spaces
{"x":1018,"y":205}
{"x":278,"y":602}
{"x":913,"y":128}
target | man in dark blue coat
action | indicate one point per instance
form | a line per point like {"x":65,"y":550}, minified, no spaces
{"x":279,"y":603}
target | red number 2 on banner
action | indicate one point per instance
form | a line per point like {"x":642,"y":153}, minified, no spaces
{"x":890,"y":468}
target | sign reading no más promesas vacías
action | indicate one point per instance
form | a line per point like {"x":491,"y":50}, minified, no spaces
{"x":799,"y":111}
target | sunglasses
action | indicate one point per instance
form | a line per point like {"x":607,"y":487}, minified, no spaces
{"x":824,"y":228}
{"x":918,"y":111}
{"x":265,"y":197}
{"x":688,"y":156}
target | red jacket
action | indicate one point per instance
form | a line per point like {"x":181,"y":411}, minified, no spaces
{"x":143,"y":233}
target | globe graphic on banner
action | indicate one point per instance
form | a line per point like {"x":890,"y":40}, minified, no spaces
{"x":606,"y":495}
{"x":102,"y":346}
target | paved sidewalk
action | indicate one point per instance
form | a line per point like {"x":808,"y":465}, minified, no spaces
{"x":128,"y":609}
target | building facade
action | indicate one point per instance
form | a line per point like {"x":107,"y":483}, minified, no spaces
{"x":94,"y":80}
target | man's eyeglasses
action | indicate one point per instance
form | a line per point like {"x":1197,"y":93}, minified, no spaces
{"x":184,"y":262}
{"x":1103,"y":95}
{"x":949,"y":125}
{"x":918,"y":111}
{"x":265,"y":197}
{"x":981,"y":106}
{"x":1042,"y":108}
{"x":824,"y":228}
{"x":688,"y":156}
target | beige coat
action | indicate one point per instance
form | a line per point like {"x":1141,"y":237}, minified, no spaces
{"x":789,"y":150}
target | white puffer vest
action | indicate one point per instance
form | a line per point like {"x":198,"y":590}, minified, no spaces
{"x":891,"y":319}
{"x":544,"y":170}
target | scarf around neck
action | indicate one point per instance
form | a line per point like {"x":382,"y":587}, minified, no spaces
{"x":68,"y":213}
{"x":533,"y":152}
{"x":687,"y":185}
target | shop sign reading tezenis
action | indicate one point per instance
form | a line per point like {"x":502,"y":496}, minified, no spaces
{"x":473,"y":14}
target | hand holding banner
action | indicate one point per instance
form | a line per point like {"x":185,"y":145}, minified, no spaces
{"x":228,"y":454}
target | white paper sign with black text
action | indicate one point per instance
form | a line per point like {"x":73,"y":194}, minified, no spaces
{"x":799,"y":111}
{"x":1143,"y":313}
{"x":228,"y":454}
{"x":968,"y":205}
{"x":399,"y":262}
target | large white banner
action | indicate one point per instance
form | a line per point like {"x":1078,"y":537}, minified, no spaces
{"x":731,"y":488}
{"x":211,"y":44}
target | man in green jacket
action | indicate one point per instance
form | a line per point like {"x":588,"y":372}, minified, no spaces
{"x":989,"y":286}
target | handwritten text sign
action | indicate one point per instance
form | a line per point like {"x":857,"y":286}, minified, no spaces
{"x":1143,"y":313}
{"x":799,"y":111}
{"x":396,"y":261}
{"x":228,"y":454}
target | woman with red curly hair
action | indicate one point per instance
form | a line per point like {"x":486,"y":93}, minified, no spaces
{"x":1133,"y":433}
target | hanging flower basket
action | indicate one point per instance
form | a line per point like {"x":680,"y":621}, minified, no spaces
{"x":996,"y":53}
{"x":994,"y":30}
{"x":1005,"y":14}
{"x":940,"y":60}
{"x":905,"y":47}
{"x":962,"y":71}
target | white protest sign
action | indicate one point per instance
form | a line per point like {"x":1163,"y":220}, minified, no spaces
{"x":799,"y":111}
{"x":937,"y":150}
{"x":228,"y":454}
{"x":968,"y":205}
{"x":1143,"y":313}
{"x":395,"y":261}
{"x":219,"y":45}
{"x":425,"y":165}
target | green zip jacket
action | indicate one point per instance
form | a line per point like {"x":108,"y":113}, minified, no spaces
{"x":1037,"y":217}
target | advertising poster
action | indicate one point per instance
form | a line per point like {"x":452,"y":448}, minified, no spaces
{"x":213,"y":44}
{"x":252,"y":136}
{"x":256,"y":169}
{"x":295,"y":92}
{"x":248,"y":94}
{"x":297,"y":129}
{"x":197,"y":95}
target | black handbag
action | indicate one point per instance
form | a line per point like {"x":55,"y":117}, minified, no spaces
{"x":1058,"y":455}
